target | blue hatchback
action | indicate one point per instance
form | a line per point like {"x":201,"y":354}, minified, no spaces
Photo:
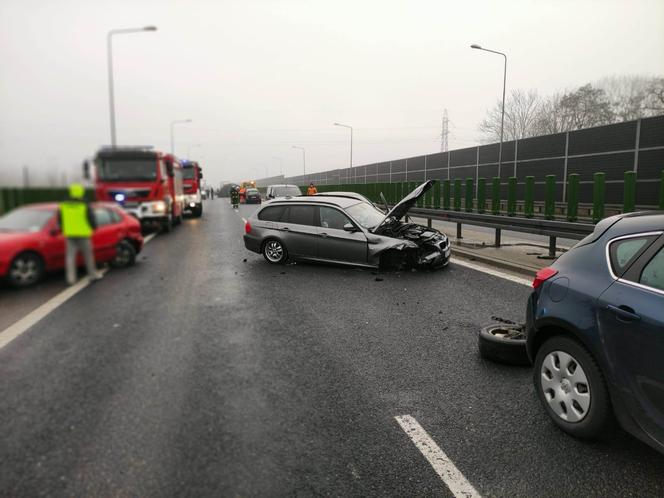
{"x":595,"y":331}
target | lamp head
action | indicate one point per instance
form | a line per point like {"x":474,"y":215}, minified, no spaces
{"x":150,"y":28}
{"x":475,"y":45}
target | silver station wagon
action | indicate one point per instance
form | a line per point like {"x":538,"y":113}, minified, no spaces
{"x":344,"y":228}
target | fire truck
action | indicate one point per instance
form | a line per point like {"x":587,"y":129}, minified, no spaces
{"x":244,"y":185}
{"x":192,"y":174}
{"x":148,"y":184}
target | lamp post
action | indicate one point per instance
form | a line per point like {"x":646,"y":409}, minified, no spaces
{"x":192,"y":147}
{"x":281,"y":165}
{"x":111,"y":93}
{"x":351,"y":147}
{"x":502,"y":118}
{"x":173,"y":123}
{"x":304,"y":161}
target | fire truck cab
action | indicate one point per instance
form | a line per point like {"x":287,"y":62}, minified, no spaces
{"x":192,"y":175}
{"x":146,"y":183}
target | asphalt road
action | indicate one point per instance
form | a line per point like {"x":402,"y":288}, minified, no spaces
{"x":204,"y":371}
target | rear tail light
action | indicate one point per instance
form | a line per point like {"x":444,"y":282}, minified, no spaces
{"x":543,"y":275}
{"x":247,"y":227}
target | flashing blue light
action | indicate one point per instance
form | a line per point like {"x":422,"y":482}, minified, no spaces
{"x":119,"y":197}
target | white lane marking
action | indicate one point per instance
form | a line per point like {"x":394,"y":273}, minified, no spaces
{"x":491,"y":271}
{"x":20,"y":326}
{"x":440,"y":462}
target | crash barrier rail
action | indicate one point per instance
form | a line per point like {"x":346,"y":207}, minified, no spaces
{"x":11,"y":197}
{"x":462,"y":201}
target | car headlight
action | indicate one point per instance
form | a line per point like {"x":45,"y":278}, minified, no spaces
{"x":159,"y":207}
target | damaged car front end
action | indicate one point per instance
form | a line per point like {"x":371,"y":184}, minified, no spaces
{"x":416,"y":246}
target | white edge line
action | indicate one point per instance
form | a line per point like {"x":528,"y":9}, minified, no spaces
{"x":444,"y":467}
{"x":491,"y":271}
{"x":20,"y":326}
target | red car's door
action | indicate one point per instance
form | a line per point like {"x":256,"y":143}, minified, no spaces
{"x":53,"y":244}
{"x":107,"y":235}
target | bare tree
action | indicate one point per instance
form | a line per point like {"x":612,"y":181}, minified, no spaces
{"x":654,"y":100}
{"x":521,"y":115}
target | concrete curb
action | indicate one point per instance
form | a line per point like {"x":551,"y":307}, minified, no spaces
{"x":522,"y":269}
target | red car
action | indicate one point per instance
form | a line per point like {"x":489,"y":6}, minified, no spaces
{"x":32,"y":244}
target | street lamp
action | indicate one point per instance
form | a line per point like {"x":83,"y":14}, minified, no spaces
{"x":351,"y":146}
{"x":304,"y":161}
{"x":192,"y":147}
{"x":281,"y":165}
{"x":173,"y":123}
{"x":111,"y":94}
{"x":502,"y":118}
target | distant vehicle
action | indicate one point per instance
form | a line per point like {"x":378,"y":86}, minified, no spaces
{"x":192,"y":175}
{"x":32,"y":244}
{"x":345,"y":230}
{"x":147,"y":184}
{"x":595,"y":331}
{"x":252,"y":196}
{"x":244,"y":185}
{"x":279,"y":191}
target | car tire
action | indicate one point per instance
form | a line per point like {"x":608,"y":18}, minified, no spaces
{"x":503,"y":343}
{"x":274,"y":251}
{"x":25,"y":269}
{"x":125,"y":255}
{"x":597,"y":414}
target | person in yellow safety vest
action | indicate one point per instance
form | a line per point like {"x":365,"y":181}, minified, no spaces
{"x":312,"y":189}
{"x":77,"y":222}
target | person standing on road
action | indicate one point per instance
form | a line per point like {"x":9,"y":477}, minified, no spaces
{"x":77,"y":222}
{"x":312,"y":190}
{"x":235,"y":197}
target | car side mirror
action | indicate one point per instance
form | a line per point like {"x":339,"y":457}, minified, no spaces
{"x":349,"y":227}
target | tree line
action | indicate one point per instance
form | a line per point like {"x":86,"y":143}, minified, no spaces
{"x":610,"y":100}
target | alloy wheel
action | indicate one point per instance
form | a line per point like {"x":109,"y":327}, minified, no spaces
{"x":24,"y":270}
{"x":274,"y":251}
{"x":565,"y":386}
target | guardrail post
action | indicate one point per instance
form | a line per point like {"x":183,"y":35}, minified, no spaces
{"x":550,"y":197}
{"x":573,"y":197}
{"x":598,"y":196}
{"x":457,"y":194}
{"x":469,"y":195}
{"x":481,"y":195}
{"x":496,"y":241}
{"x":552,"y":246}
{"x":495,"y":195}
{"x":529,"y":201}
{"x":629,"y":196}
{"x":436,"y":194}
{"x":511,"y":196}
{"x":446,"y":194}
{"x":661,"y":192}
{"x":459,"y":230}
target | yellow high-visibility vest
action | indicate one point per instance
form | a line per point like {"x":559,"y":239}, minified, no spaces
{"x":75,"y":219}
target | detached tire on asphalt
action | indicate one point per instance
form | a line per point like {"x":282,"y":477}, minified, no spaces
{"x":572,"y":388}
{"x":274,"y":251}
{"x":503,"y":343}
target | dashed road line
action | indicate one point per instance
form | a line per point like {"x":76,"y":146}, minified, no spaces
{"x":491,"y":271}
{"x":446,"y":470}
{"x":36,"y":315}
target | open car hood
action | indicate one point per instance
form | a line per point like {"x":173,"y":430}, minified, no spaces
{"x":401,"y":208}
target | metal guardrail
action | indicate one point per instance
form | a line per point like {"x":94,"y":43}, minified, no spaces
{"x":551,"y":228}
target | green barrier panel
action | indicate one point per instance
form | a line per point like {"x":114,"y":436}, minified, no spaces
{"x":446,"y":194}
{"x":573,"y":197}
{"x":511,"y":196}
{"x":436,"y":194}
{"x":457,"y":194}
{"x":481,"y":195}
{"x":495,"y":195}
{"x":529,"y":201}
{"x":661,"y":192}
{"x":629,"y":196}
{"x":469,"y":195}
{"x":395,"y":193}
{"x":598,"y":196}
{"x":420,"y":201}
{"x":550,"y":197}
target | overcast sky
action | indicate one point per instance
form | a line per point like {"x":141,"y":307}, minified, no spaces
{"x":259,"y":76}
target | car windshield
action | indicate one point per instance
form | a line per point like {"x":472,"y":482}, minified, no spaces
{"x":188,"y":173}
{"x":365,"y":214}
{"x":25,"y":220}
{"x":118,"y":170}
{"x":252,"y":191}
{"x":286,"y":191}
